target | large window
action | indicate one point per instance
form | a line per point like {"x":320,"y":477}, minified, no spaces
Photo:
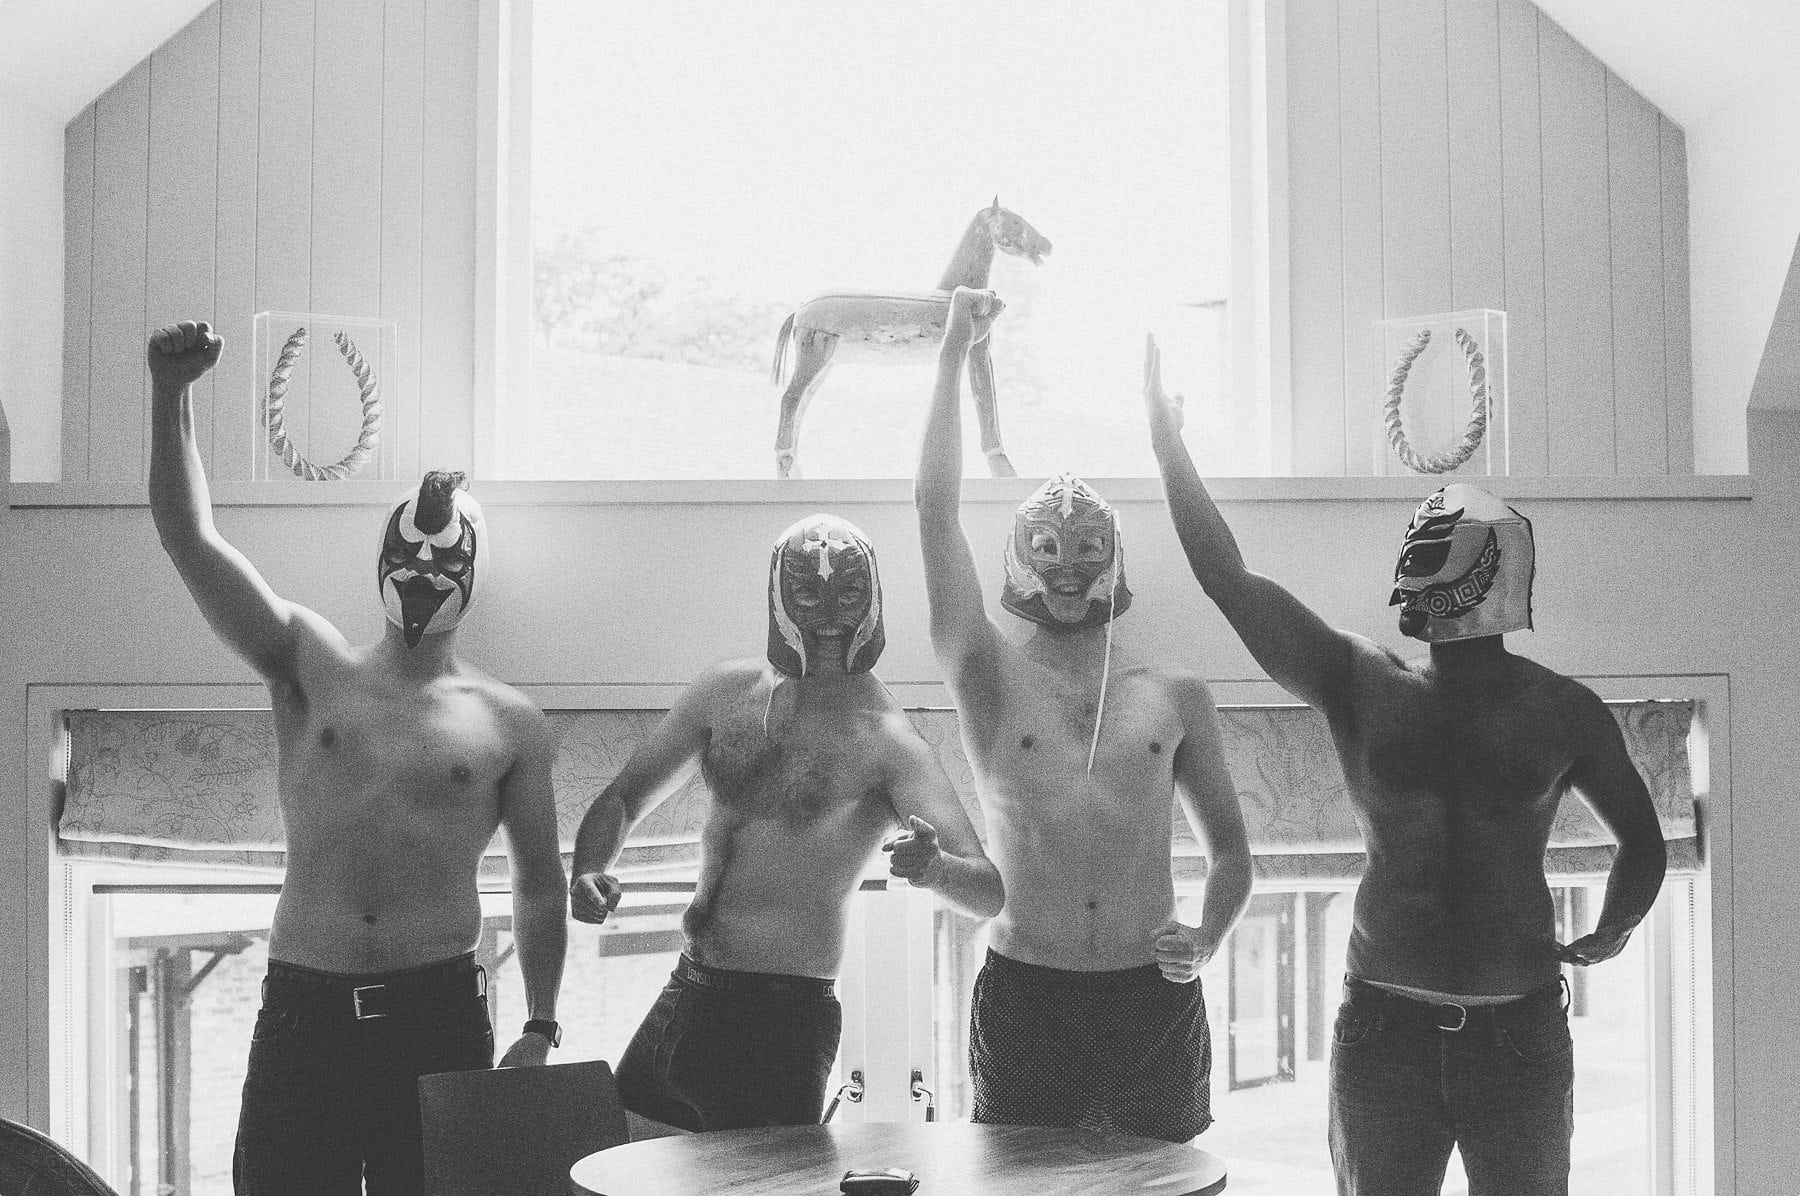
{"x":700,"y":170}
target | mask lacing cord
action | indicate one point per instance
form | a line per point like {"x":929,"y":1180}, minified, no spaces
{"x":1112,"y":601}
{"x":769,"y":703}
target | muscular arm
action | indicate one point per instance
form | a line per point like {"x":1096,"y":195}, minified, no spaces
{"x":660,"y":766}
{"x":540,"y":908}
{"x":960,"y":629}
{"x":1292,"y":644}
{"x":1608,"y":782}
{"x":1209,"y":800}
{"x":940,"y":851}
{"x":238,"y":604}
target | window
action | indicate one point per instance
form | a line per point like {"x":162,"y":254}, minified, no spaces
{"x":699,"y":171}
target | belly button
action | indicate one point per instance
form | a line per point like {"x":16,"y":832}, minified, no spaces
{"x":1027,"y":742}
{"x":368,"y":919}
{"x":327,"y":737}
{"x":1155,"y":748}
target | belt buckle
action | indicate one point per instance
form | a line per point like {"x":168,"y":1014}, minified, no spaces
{"x":1462,"y":1016}
{"x":356,"y":1001}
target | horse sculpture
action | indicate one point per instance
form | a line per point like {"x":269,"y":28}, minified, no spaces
{"x":895,"y":327}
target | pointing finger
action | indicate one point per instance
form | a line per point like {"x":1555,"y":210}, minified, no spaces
{"x":922,"y":829}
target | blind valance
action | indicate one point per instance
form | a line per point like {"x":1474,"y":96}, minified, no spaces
{"x":197,"y":788}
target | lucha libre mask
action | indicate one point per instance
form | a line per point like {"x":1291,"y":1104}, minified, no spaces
{"x":1065,"y":566}
{"x":429,"y":550}
{"x":1465,"y":569}
{"x":822,"y":578}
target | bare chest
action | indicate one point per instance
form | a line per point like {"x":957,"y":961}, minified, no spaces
{"x":799,"y":774}
{"x":1499,"y":758}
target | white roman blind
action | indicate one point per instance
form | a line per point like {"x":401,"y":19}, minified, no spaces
{"x":197,"y":787}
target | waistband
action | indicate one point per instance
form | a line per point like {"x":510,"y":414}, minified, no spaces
{"x":1049,"y":977}
{"x":361,"y":996}
{"x":767,"y":983}
{"x":1449,"y":1015}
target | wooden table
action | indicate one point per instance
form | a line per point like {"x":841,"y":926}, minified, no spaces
{"x":949,"y":1159}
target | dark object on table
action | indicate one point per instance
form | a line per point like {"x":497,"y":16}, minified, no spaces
{"x":516,"y":1129}
{"x":889,"y":1181}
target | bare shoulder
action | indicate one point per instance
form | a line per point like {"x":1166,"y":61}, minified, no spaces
{"x":1567,"y":698}
{"x":727,"y":681}
{"x":514,"y":710}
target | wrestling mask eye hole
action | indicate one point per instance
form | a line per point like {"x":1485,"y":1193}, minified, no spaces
{"x":1422,"y":560}
{"x":454,"y":566}
{"x":1045,"y":545}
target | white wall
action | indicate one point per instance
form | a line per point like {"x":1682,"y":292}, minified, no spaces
{"x":1744,"y":207}
{"x":31,"y":282}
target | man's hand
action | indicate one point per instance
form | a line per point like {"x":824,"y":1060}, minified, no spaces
{"x":1180,"y":953}
{"x":916,"y":856}
{"x":529,"y":1051}
{"x":1598,"y":947}
{"x":593,"y":895}
{"x":180,"y":353}
{"x":972,"y":315}
{"x":1159,"y":405}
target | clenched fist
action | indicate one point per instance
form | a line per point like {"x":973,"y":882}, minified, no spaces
{"x":916,"y":855}
{"x":593,"y":895}
{"x":180,"y":353}
{"x":1180,"y":953}
{"x":972,"y":315}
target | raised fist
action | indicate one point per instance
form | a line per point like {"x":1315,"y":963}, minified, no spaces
{"x":1159,"y":404}
{"x":972,"y":315}
{"x":180,"y":353}
{"x":593,"y":895}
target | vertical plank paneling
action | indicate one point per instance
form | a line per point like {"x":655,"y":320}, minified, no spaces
{"x":1315,"y":248}
{"x":1634,"y":169}
{"x":1522,"y":204}
{"x":118,"y":391}
{"x":1577,"y":249}
{"x":1477,"y":245}
{"x":78,"y":291}
{"x":1360,"y":157}
{"x":184,"y":113}
{"x":447,"y":316}
{"x":1415,"y":170}
{"x":1678,"y":361}
{"x":235,"y":394}
{"x":346,"y":209}
{"x":284,"y":182}
{"x":402,"y":235}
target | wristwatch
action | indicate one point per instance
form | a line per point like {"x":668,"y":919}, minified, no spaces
{"x":546,"y":1027}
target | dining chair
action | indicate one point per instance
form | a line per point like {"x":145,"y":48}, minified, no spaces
{"x":516,"y":1130}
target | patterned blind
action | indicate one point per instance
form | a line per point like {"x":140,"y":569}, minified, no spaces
{"x":197,"y":787}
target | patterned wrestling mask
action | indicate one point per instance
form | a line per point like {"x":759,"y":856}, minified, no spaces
{"x":1465,"y":569}
{"x":824,"y":596}
{"x":1065,"y":566}
{"x":429,"y":551}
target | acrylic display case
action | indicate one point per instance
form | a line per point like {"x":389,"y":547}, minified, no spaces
{"x":1441,"y":400}
{"x":318,"y":407}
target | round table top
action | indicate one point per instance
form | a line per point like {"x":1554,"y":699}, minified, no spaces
{"x":950,"y":1159}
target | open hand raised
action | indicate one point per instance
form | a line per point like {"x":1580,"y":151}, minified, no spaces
{"x":1159,"y":404}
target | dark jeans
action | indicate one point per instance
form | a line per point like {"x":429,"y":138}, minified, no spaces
{"x":723,"y":1050}
{"x":332,"y":1098}
{"x":1405,"y":1088}
{"x":31,"y":1164}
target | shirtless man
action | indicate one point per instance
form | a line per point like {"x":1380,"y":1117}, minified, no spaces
{"x":1088,"y":1010}
{"x":396,"y":764}
{"x":1452,"y":1030}
{"x":809,"y":762}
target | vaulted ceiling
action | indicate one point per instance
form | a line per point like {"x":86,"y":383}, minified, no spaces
{"x":58,"y":55}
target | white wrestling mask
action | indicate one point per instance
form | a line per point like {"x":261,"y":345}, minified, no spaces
{"x":430,"y":548}
{"x":824,"y":588}
{"x":1065,"y":566}
{"x":1465,"y":569}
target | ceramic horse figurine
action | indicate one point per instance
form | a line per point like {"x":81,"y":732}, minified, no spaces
{"x":896,"y":327}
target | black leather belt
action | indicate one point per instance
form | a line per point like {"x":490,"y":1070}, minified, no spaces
{"x":380,"y":994}
{"x":1450,"y":1015}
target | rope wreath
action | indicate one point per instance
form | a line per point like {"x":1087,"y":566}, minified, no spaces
{"x":1478,"y":414}
{"x":366,"y":385}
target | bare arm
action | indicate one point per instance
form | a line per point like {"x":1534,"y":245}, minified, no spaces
{"x":238,"y":604}
{"x":1209,"y":800}
{"x":939,"y":850}
{"x":1292,"y":644}
{"x":660,"y":766}
{"x":959,"y":624}
{"x":1610,"y":785}
{"x":540,"y":908}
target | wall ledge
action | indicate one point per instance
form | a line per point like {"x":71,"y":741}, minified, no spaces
{"x":886,"y":491}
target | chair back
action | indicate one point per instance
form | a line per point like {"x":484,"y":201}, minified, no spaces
{"x":33,"y":1164}
{"x":516,"y":1130}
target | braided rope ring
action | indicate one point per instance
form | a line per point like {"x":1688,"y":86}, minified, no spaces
{"x":1478,"y":414}
{"x":366,"y":385}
